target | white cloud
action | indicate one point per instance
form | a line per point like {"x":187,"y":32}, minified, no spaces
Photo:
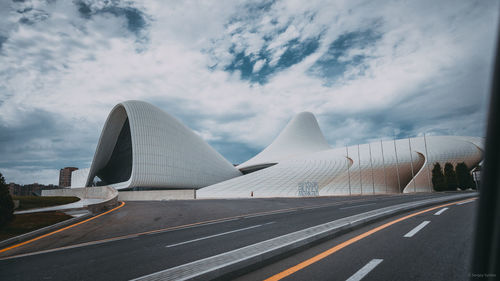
{"x":78,"y":68}
{"x":26,"y":175}
{"x":258,"y":65}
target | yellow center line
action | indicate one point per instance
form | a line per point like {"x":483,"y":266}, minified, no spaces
{"x":59,"y":230}
{"x":342,"y":245}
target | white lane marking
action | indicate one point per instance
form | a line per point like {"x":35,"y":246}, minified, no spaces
{"x":220,"y":234}
{"x":188,"y":227}
{"x":365,"y":270}
{"x":416,"y":229}
{"x":357,"y":206}
{"x":461,"y":203}
{"x":312,"y":208}
{"x":440,"y":211}
{"x":267,"y":214}
{"x":111,"y":240}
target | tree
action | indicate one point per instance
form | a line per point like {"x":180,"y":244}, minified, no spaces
{"x":438,"y":181}
{"x":463,"y":176}
{"x":6,"y":203}
{"x":472,"y":181}
{"x":450,"y":177}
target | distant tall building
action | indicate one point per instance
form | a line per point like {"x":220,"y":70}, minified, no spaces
{"x":65,"y":176}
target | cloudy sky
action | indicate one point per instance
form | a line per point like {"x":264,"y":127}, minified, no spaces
{"x":237,"y":71}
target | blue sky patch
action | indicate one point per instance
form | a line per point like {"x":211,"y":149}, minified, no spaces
{"x":334,"y":62}
{"x":295,"y":52}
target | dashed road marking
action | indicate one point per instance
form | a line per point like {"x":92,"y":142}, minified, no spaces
{"x":440,"y":211}
{"x":416,"y":229}
{"x":360,"y":274}
{"x":216,"y":235}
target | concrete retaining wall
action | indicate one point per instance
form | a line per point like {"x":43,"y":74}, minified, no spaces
{"x":156,"y":195}
{"x":108,"y":195}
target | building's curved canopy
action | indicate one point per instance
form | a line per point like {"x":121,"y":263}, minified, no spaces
{"x":143,"y":147}
{"x":301,"y":135}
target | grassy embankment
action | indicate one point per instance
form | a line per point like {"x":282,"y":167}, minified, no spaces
{"x":31,"y":202}
{"x":24,"y":223}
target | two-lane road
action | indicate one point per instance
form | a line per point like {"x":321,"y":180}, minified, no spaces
{"x":132,"y":256}
{"x":435,"y":245}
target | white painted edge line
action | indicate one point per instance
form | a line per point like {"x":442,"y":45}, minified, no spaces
{"x":216,"y":235}
{"x":190,"y":226}
{"x":416,"y":229}
{"x":268,"y":214}
{"x":357,"y":206}
{"x":360,"y":274}
{"x":441,"y":211}
{"x":465,"y":202}
{"x":103,"y":241}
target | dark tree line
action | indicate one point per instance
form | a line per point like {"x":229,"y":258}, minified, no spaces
{"x":6,"y":203}
{"x":450,"y":178}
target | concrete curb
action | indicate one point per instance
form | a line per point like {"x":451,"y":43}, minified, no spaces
{"x":233,"y":263}
{"x":108,"y":194}
{"x":44,"y":230}
{"x":46,"y":209}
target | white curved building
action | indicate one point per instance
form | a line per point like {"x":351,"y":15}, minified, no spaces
{"x":301,"y":135}
{"x":143,"y":147}
{"x":300,"y":163}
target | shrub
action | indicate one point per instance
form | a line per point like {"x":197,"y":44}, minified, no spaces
{"x":463,"y":176}
{"x":450,"y":177}
{"x":438,"y":180}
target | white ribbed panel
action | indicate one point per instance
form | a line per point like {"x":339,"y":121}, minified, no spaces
{"x":301,"y":135}
{"x":328,"y":169}
{"x":168,"y":154}
{"x":165,"y":153}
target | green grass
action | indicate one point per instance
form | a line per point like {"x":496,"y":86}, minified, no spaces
{"x":24,"y":223}
{"x":31,"y":202}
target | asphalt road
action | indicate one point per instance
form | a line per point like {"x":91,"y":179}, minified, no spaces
{"x":424,"y":247}
{"x":141,"y":216}
{"x":137,"y":255}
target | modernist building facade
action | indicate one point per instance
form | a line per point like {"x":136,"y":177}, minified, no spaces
{"x":142,"y":147}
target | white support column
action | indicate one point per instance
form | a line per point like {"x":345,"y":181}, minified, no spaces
{"x":360,"y":178}
{"x":371,"y":165}
{"x":348,"y":171}
{"x":428,"y":164}
{"x":383,"y":165}
{"x":397,"y":164}
{"x":411,"y":164}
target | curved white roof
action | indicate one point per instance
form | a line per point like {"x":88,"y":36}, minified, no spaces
{"x":141,"y":146}
{"x":301,"y":135}
{"x":374,"y":168}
